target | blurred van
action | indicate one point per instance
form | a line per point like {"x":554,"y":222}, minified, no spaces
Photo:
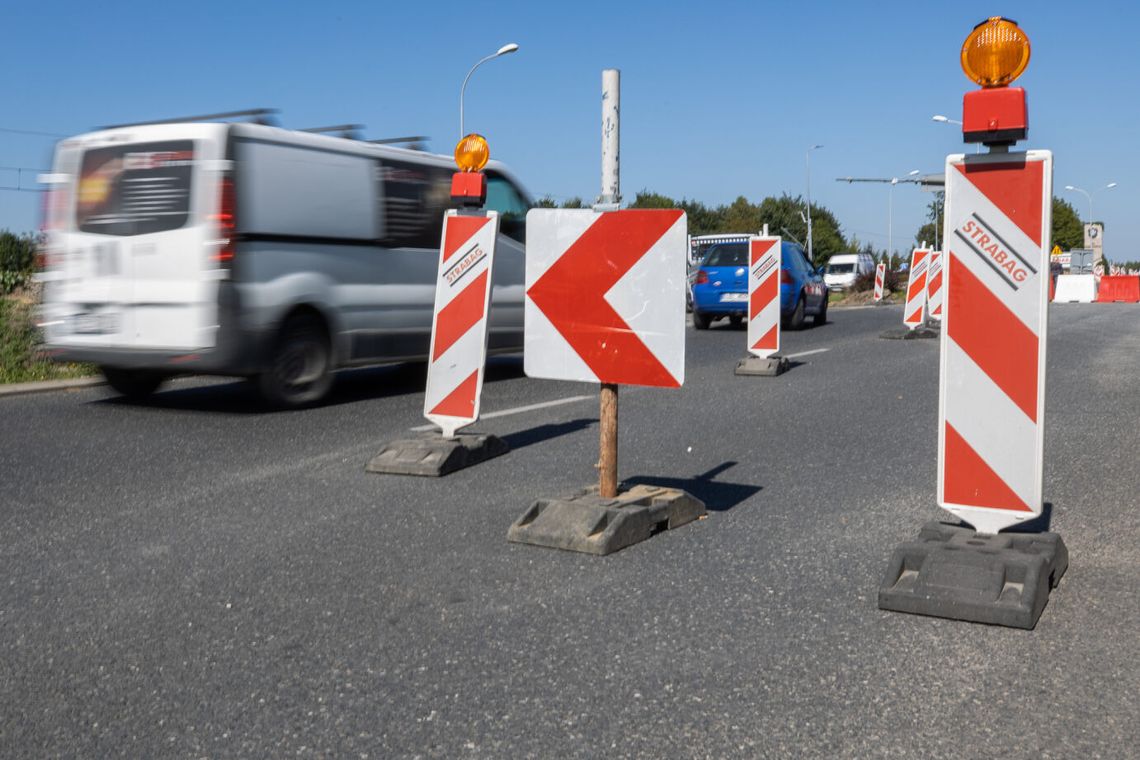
{"x":250,"y":250}
{"x":844,"y":268}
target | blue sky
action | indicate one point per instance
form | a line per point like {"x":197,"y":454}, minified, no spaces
{"x":719,"y":99}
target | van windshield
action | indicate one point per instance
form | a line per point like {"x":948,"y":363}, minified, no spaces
{"x":135,"y":189}
{"x":840,"y":268}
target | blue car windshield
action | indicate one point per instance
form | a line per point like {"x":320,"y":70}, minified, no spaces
{"x":727,"y":255}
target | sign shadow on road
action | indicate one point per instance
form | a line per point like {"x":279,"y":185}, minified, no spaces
{"x":718,"y":496}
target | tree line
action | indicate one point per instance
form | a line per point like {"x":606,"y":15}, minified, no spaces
{"x":786,"y":216}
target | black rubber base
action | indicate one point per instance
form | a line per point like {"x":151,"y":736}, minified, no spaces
{"x":434,"y":455}
{"x":585,"y":522}
{"x":951,"y":571}
{"x":923,"y":332}
{"x":755,"y":366}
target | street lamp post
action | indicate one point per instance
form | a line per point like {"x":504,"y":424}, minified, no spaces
{"x":807,"y":161}
{"x":891,"y":213}
{"x":508,"y":48}
{"x":1089,"y":195}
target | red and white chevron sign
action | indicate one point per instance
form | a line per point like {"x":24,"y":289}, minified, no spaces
{"x":934,"y":286}
{"x":459,"y":329}
{"x":764,"y":261}
{"x":914,"y":313}
{"x":880,"y":279}
{"x":992,"y":382}
{"x":605,"y":296}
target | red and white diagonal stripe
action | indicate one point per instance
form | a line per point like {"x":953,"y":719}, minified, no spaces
{"x":934,"y":286}
{"x":459,"y":326}
{"x":880,"y":279}
{"x":914,"y":313}
{"x":992,"y":381}
{"x":764,"y":261}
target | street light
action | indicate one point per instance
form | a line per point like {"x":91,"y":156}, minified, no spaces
{"x":508,"y":48}
{"x":807,"y":160}
{"x":944,"y":119}
{"x":1089,"y":195}
{"x":891,"y":213}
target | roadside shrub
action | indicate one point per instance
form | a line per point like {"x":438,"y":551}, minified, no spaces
{"x":20,"y":358}
{"x":17,"y":261}
{"x":866,"y":281}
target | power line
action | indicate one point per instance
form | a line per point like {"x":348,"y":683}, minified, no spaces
{"x":9,"y":130}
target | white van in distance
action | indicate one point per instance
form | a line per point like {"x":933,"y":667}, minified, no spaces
{"x":844,"y":268}
{"x":250,"y":250}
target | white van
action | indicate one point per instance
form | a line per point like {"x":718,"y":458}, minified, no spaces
{"x":844,"y":268}
{"x":250,"y":250}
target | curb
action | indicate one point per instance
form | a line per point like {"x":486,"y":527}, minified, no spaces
{"x":46,"y":386}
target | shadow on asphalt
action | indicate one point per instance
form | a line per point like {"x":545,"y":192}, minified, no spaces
{"x":542,"y":433}
{"x":350,"y":386}
{"x":718,"y":496}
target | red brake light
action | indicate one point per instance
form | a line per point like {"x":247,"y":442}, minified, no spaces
{"x":786,"y":277}
{"x":225,"y":221}
{"x":702,"y":277}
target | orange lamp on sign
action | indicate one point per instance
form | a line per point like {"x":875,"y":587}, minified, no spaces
{"x":472,"y":153}
{"x":995,"y":53}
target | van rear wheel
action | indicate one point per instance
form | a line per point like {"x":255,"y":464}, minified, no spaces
{"x":134,"y":384}
{"x":299,"y":371}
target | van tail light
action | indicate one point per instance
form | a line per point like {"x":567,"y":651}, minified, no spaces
{"x":225,"y":222}
{"x":702,"y":277}
{"x":786,"y":277}
{"x":53,"y":201}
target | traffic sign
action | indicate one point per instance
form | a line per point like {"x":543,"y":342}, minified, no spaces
{"x":914,"y":313}
{"x":992,"y":378}
{"x":459,"y":328}
{"x":764,"y":261}
{"x":934,"y":286}
{"x":605,"y":296}
{"x":880,"y":280}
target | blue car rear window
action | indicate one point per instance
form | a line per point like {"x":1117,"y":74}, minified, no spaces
{"x":727,"y":255}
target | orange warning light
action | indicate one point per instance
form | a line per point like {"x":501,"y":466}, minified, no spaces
{"x":472,"y":153}
{"x":995,"y":53}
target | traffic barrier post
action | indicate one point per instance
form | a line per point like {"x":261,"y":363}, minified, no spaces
{"x":764,"y":261}
{"x":605,"y":303}
{"x":992,"y":375}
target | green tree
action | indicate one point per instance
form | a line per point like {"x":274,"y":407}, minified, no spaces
{"x":929,"y":232}
{"x":786,"y":213}
{"x":17,"y":260}
{"x":1068,"y":232}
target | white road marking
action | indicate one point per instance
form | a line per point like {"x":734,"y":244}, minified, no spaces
{"x":516,"y":410}
{"x":808,"y":353}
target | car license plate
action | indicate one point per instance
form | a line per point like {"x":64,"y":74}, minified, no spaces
{"x":733,"y":297}
{"x":95,"y":323}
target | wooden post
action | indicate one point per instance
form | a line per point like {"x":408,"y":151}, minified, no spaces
{"x":608,"y":443}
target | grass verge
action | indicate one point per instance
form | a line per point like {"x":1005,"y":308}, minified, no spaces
{"x":20,"y":358}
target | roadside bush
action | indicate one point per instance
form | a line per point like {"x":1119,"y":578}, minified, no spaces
{"x":866,"y":281}
{"x":20,"y":359}
{"x":17,"y":261}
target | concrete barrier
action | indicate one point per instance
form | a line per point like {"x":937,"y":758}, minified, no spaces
{"x":1075,"y":288}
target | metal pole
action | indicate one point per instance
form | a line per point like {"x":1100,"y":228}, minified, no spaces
{"x":891,"y":218}
{"x":609,"y":200}
{"x":464,"y":88}
{"x":807,"y":160}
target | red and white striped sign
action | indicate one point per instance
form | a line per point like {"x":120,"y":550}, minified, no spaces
{"x":992,"y":382}
{"x":880,"y":280}
{"x":764,"y":261}
{"x":934,"y":286}
{"x":459,"y":329}
{"x":605,"y":296}
{"x":914,"y":313}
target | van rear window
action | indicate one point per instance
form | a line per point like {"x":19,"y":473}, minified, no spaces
{"x":135,"y":189}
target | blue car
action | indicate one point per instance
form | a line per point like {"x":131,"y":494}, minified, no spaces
{"x":720,"y":287}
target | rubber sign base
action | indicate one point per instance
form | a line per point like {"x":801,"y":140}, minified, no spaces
{"x":950,"y":571}
{"x":588,"y":523}
{"x":905,"y":333}
{"x":769,"y":367}
{"x":435,"y":456}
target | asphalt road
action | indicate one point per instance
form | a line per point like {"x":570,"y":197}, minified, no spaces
{"x":196,"y":577}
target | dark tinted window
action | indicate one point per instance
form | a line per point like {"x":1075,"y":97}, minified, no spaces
{"x":504,"y":197}
{"x":727,"y":255}
{"x":135,"y":189}
{"x":414,"y":198}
